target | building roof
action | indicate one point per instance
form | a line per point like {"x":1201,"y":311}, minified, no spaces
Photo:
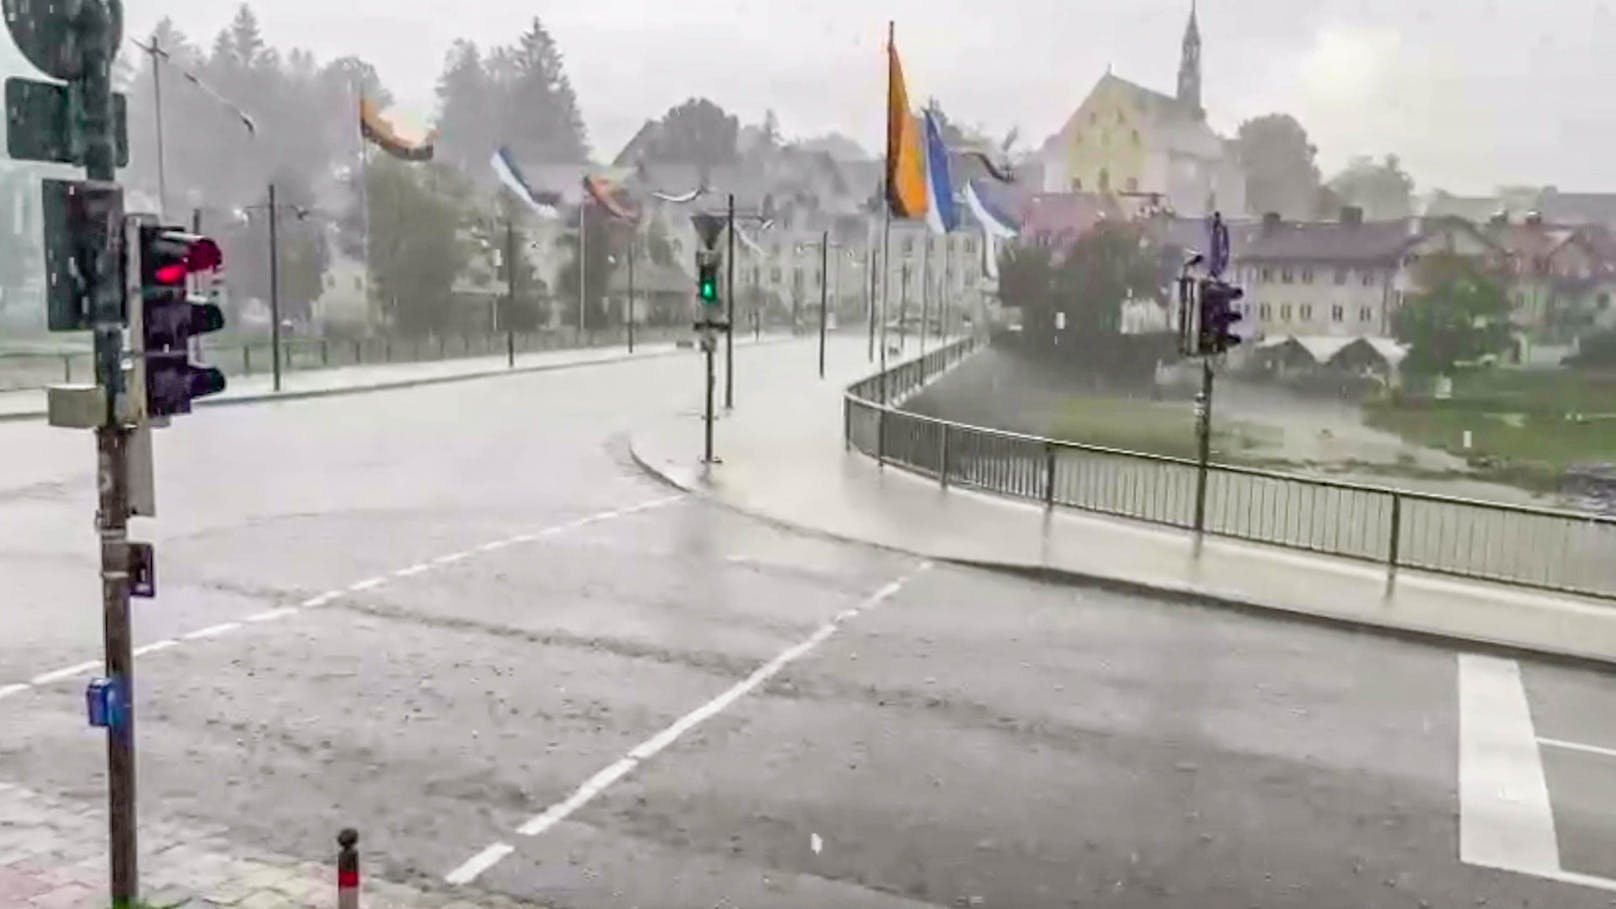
{"x":1321,"y":241}
{"x":1577,"y":208}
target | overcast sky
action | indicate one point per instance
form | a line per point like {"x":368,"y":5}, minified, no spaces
{"x":1471,"y":93}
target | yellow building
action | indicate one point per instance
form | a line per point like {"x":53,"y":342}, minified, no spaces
{"x":1128,"y":139}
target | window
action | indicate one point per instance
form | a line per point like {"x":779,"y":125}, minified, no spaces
{"x":908,"y":246}
{"x":819,"y":277}
{"x":796,"y":277}
{"x":970,"y":246}
{"x":1307,"y":276}
{"x":1263,"y":311}
{"x":1337,"y":313}
{"x":1077,"y":185}
{"x":1268,"y":275}
{"x":1287,"y":276}
{"x":774,"y":275}
{"x":1307,"y":312}
{"x":1341,"y":275}
{"x":358,"y":283}
{"x":1368,"y":278}
{"x":1132,"y":184}
{"x":1366,"y":314}
{"x":1285,"y":312}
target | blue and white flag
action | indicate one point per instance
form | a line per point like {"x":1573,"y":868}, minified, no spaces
{"x":544,"y":204}
{"x":995,"y":221}
{"x":942,"y":215}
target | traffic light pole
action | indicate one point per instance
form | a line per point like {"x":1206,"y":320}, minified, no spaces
{"x":729,"y":316}
{"x":1203,"y":428}
{"x":824,"y":287}
{"x":274,"y":290}
{"x":106,"y":290}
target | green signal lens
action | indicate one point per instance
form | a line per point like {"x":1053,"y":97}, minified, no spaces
{"x":709,"y":290}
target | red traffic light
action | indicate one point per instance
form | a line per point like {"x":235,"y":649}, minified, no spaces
{"x":170,"y":254}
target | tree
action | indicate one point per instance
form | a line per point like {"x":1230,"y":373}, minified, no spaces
{"x":467,"y":109}
{"x":540,"y":111}
{"x":1281,"y":175}
{"x":1109,"y":264}
{"x":1384,"y":191}
{"x":416,"y":250}
{"x":1026,"y":277}
{"x":696,"y":132}
{"x":1460,"y":314}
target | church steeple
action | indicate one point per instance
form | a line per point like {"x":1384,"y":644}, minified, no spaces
{"x":1189,"y":65}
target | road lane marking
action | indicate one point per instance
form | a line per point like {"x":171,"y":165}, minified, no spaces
{"x":1505,"y":820}
{"x":479,"y":863}
{"x":57,"y":675}
{"x":329,"y":596}
{"x":1577,"y":746}
{"x":649,"y":748}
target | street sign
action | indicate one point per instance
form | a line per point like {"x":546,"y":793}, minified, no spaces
{"x":40,"y":123}
{"x":46,"y":33}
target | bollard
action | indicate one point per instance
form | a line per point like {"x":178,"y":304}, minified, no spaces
{"x":348,"y":869}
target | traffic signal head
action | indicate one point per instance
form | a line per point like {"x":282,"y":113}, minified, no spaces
{"x":707,"y":278}
{"x":1218,"y":316}
{"x":167,"y":317}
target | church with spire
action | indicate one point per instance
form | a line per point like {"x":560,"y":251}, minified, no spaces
{"x":1138,"y":144}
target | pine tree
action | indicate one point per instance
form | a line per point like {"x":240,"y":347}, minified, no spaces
{"x":541,"y":110}
{"x":467,"y":108}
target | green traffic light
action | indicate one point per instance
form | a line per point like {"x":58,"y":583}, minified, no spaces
{"x":709,"y":290}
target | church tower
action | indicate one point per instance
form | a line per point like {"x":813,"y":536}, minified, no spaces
{"x":1189,"y":66}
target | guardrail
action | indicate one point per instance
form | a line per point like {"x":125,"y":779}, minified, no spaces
{"x":20,"y":371}
{"x":1544,"y":548}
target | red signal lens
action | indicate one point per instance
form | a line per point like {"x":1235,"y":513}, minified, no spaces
{"x":173,"y":273}
{"x":204,"y":255}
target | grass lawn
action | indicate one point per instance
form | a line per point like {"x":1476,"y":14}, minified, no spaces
{"x":1149,"y":426}
{"x":1526,"y":427}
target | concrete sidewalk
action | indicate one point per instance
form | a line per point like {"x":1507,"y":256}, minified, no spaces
{"x":53,"y":855}
{"x":308,"y":383}
{"x":785,"y":461}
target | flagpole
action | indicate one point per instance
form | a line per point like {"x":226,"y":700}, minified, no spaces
{"x":925,"y":292}
{"x":886,"y":212}
{"x":364,"y":199}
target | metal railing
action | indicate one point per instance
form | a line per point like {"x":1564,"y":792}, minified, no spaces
{"x":1545,"y":548}
{"x":20,"y":371}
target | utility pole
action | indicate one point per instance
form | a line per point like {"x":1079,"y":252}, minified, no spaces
{"x":583,"y":262}
{"x":729,"y":310}
{"x":274,"y":290}
{"x":153,"y":51}
{"x":824,"y":299}
{"x":510,"y":290}
{"x":631,"y":295}
{"x":869,"y":302}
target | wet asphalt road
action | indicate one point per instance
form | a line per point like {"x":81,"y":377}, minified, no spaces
{"x":971,"y":740}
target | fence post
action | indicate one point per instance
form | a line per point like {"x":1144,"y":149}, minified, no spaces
{"x":358,"y":352}
{"x":510,"y":349}
{"x":246,"y":359}
{"x":348,"y":869}
{"x":942,"y":457}
{"x":1049,"y":475}
{"x":387,"y":350}
{"x":67,"y":367}
{"x":881,"y":437}
{"x":325,"y":352}
{"x":1396,"y":533}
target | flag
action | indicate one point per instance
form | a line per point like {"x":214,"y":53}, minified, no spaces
{"x":941,"y":214}
{"x":544,"y":204}
{"x":379,"y":130}
{"x":906,"y":158}
{"x":993,"y":218}
{"x":607,"y":195}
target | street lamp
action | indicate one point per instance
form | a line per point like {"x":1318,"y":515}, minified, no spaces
{"x":825,"y":246}
{"x":273,"y":210}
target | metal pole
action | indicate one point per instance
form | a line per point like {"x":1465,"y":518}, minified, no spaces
{"x":710,"y":344}
{"x":274,"y":291}
{"x":112,"y":461}
{"x":729,"y":312}
{"x":925,"y":302}
{"x":631,"y":296}
{"x":1203,"y":422}
{"x":824,"y":291}
{"x":157,"y":94}
{"x":886,"y":282}
{"x":583,"y":233}
{"x":510,"y":290}
{"x":869,"y":301}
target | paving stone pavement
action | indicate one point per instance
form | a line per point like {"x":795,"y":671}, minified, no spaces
{"x":53,"y":855}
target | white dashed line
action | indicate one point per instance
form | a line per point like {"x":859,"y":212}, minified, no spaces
{"x":1578,"y":746}
{"x":322,"y":599}
{"x":69,"y":672}
{"x":479,"y":863}
{"x":649,"y":748}
{"x":211,"y":631}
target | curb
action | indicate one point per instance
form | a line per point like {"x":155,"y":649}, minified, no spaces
{"x":271,"y":396}
{"x":1170,"y":592}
